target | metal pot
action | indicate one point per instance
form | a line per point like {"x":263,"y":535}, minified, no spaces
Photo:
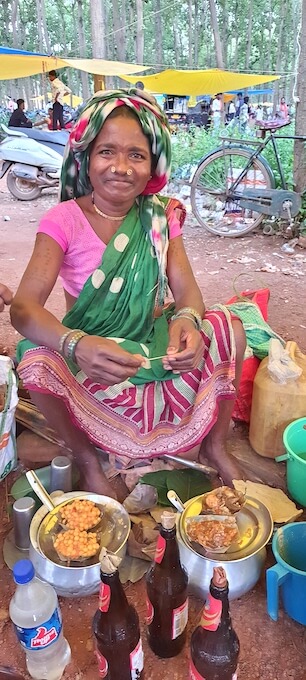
{"x":244,"y":565}
{"x":77,"y":581}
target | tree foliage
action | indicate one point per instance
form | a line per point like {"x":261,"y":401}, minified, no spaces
{"x":251,"y":36}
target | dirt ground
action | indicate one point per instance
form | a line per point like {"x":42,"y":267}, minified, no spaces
{"x":269,"y":650}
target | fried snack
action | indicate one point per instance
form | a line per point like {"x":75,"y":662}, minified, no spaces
{"x":80,"y":514}
{"x":222,"y":501}
{"x":74,"y":544}
{"x":213,"y":534}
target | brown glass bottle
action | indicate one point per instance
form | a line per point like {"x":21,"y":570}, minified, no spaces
{"x":116,"y":629}
{"x":214,"y":644}
{"x":167,"y":602}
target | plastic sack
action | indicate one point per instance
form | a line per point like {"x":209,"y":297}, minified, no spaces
{"x":243,"y":403}
{"x":281,"y":364}
{"x":9,"y":400}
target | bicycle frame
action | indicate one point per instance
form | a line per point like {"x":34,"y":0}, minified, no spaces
{"x":260,"y":147}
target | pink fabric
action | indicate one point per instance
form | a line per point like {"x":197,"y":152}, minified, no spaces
{"x":83,"y":249}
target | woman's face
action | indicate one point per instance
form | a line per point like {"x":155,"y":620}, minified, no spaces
{"x":122,"y":145}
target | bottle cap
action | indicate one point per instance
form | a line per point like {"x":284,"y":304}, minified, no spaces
{"x":219,"y":577}
{"x":168,"y":519}
{"x":23,"y":571}
{"x":109,"y":562}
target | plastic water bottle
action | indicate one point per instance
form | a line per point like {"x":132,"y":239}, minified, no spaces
{"x":35,"y":613}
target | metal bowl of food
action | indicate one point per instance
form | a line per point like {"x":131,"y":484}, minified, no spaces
{"x":79,"y":578}
{"x":243,"y":561}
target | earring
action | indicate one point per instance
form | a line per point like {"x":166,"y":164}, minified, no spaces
{"x":129,"y":171}
{"x":113,"y":169}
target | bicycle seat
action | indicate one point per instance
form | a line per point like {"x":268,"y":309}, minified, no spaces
{"x":273,"y":124}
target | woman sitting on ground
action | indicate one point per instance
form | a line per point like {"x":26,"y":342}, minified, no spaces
{"x":123,"y":371}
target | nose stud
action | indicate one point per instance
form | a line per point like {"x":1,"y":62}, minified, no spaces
{"x":113,"y":169}
{"x":129,"y":171}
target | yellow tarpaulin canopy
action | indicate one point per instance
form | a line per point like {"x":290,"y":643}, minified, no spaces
{"x":67,"y":99}
{"x":196,"y":83}
{"x":19,"y":66}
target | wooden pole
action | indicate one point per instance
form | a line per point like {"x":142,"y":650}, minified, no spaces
{"x":99,"y":82}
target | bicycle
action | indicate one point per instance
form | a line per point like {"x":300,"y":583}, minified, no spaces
{"x":233,"y":187}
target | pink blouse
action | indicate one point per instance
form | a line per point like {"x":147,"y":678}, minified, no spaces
{"x":83,"y":249}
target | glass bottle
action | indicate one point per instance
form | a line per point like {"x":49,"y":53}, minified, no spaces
{"x":214,"y":644}
{"x":167,"y":601}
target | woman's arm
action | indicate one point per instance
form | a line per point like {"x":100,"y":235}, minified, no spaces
{"x":28,"y":315}
{"x":101,"y":359}
{"x":182,"y":283}
{"x":185,"y":347}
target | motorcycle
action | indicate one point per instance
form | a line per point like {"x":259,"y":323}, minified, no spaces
{"x":31,"y":160}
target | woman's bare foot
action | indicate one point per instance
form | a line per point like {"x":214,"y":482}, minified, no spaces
{"x":226,"y":464}
{"x":92,"y":478}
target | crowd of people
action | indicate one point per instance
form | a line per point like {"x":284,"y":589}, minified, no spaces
{"x":241,"y":113}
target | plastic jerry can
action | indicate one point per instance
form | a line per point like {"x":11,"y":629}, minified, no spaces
{"x":275,"y":405}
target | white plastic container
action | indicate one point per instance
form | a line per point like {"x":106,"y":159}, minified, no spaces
{"x":35,"y":613}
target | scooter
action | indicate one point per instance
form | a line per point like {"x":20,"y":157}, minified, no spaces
{"x":31,"y":160}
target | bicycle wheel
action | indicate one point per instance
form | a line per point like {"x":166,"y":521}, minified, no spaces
{"x":210,"y":197}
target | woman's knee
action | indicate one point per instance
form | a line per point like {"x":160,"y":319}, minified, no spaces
{"x":240,"y":339}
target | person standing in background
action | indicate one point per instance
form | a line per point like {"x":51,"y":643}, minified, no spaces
{"x":217,"y":108}
{"x":59,"y":90}
{"x":283,"y":108}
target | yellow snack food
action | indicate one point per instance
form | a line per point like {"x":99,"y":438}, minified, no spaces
{"x":75,"y":544}
{"x":80,"y":514}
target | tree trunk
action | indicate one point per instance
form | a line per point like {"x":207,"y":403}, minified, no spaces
{"x":249,"y":7}
{"x":98,"y":24}
{"x":119,"y":32}
{"x":284,"y":10}
{"x":158,"y":37}
{"x":176,"y":43}
{"x":139,"y":33}
{"x":190,"y":35}
{"x":82,"y":47}
{"x":299,"y":172}
{"x":215,"y":28}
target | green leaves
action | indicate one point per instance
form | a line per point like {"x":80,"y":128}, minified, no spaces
{"x":186,"y":483}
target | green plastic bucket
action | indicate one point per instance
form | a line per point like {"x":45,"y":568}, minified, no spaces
{"x":294,"y":439}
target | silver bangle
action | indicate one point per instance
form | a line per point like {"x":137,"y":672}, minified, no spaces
{"x":193,"y":313}
{"x":63,"y":339}
{"x":185,"y":316}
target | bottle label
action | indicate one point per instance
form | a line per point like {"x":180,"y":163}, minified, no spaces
{"x":102,"y":664}
{"x":179,"y":620}
{"x":211,"y":614}
{"x":104,"y":597}
{"x":136,"y":661}
{"x":160,"y":549}
{"x":150,"y":612}
{"x":42,"y":636}
{"x":195,"y":675}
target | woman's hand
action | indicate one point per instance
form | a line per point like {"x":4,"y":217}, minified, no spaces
{"x":104,"y":361}
{"x":185,"y":348}
{"x":6,"y":296}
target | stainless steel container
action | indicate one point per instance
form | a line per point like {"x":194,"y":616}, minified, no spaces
{"x":242,"y":574}
{"x":81,"y":580}
{"x":243,"y":562}
{"x":23,"y":511}
{"x":61,"y":474}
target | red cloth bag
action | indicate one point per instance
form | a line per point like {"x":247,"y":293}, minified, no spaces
{"x":242,"y":407}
